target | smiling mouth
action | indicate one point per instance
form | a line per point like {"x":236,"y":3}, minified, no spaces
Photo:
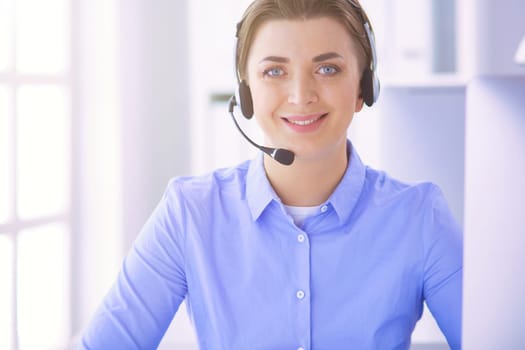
{"x":305,"y":122}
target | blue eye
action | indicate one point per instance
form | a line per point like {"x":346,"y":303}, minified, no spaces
{"x":328,"y":70}
{"x":273,"y":72}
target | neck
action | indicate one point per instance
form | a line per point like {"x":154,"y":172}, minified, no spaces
{"x":307,"y":182}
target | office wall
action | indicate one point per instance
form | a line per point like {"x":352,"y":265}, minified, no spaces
{"x":154,"y":100}
{"x":97,"y":169}
{"x":132,"y":121}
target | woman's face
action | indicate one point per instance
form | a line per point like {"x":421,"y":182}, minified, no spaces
{"x":304,"y":78}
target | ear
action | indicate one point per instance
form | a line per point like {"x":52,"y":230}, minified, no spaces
{"x":359,"y":103}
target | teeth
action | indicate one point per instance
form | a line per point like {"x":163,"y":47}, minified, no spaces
{"x":304,"y":122}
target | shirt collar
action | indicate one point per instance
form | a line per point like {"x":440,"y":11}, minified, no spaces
{"x":260,"y":193}
{"x":347,"y":193}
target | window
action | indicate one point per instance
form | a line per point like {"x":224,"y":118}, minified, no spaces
{"x":35,"y":173}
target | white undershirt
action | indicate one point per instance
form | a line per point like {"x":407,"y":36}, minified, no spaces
{"x":300,"y":214}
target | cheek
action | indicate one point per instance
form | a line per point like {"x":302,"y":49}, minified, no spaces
{"x":264,"y":99}
{"x":343,"y":96}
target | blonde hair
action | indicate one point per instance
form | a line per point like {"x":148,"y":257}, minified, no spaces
{"x":348,"y":13}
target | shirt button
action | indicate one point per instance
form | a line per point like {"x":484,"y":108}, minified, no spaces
{"x":300,"y":238}
{"x":324,"y":208}
{"x":300,"y":348}
{"x":300,"y":294}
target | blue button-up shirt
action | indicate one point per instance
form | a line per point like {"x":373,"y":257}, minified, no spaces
{"x":354,"y":276}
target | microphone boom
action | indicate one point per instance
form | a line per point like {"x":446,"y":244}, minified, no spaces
{"x":281,"y":155}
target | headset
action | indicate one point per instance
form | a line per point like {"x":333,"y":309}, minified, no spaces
{"x":369,"y":84}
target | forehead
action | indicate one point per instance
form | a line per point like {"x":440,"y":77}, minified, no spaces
{"x":301,"y":37}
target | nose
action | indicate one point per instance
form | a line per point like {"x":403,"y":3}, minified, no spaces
{"x":302,"y":90}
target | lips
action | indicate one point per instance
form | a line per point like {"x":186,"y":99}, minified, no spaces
{"x":305,"y":123}
{"x":304,"y":120}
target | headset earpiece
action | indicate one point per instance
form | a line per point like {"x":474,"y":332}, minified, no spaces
{"x":369,"y":87}
{"x":245,"y":95}
{"x":367,"y":92}
{"x":245,"y":99}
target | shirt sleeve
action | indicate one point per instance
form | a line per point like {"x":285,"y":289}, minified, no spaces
{"x":149,"y":288}
{"x":442,"y":285}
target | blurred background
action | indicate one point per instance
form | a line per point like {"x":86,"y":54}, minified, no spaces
{"x":103,"y":101}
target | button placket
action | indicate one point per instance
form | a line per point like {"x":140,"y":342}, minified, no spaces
{"x":302,"y":288}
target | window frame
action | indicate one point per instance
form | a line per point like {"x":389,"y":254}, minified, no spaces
{"x":13,"y":80}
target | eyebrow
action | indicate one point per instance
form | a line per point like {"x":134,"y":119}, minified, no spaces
{"x":275,"y":59}
{"x":319,"y":58}
{"x":326,"y":56}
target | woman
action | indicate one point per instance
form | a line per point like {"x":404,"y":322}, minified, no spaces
{"x":324,"y":253}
